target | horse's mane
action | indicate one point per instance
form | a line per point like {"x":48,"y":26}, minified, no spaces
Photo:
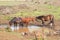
{"x":38,"y":17}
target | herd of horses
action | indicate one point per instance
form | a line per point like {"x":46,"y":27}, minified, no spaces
{"x":25,"y":21}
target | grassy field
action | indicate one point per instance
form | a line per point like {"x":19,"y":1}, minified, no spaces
{"x":9,"y":3}
{"x":41,"y":10}
{"x":51,"y":10}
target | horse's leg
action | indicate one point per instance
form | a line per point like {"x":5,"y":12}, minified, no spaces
{"x":15,"y":25}
{"x":52,"y":23}
{"x":43,"y":23}
{"x":21,"y":24}
{"x":27,"y":23}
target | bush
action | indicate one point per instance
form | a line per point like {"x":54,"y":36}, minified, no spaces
{"x":8,"y":29}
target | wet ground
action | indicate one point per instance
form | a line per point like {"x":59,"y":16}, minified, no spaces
{"x":46,"y":32}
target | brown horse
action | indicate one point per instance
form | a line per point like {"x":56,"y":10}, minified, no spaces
{"x":15,"y":21}
{"x":49,"y":18}
{"x":27,"y":20}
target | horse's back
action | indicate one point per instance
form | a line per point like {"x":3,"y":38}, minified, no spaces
{"x":27,"y":19}
{"x":15,"y":20}
{"x":45,"y":17}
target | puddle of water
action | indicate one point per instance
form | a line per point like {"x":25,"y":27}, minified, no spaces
{"x":30,"y":27}
{"x":3,"y":26}
{"x":14,"y":28}
{"x":33,"y":28}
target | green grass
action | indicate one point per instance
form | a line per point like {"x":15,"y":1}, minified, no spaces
{"x":9,"y":3}
{"x":54,"y":10}
{"x":35,"y":13}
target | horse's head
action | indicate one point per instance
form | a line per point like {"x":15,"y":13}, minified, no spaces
{"x":10,"y":23}
{"x":39,"y":17}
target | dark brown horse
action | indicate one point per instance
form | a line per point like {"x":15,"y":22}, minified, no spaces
{"x":27,"y":20}
{"x":15,"y":21}
{"x":49,"y":18}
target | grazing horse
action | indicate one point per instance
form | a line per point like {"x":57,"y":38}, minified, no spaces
{"x":49,"y":18}
{"x":15,"y":21}
{"x":27,"y":20}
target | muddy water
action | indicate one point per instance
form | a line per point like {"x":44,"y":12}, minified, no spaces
{"x":30,"y":27}
{"x":33,"y":28}
{"x":3,"y":26}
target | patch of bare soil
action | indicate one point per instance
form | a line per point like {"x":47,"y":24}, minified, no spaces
{"x":45,"y":33}
{"x":53,"y":34}
{"x":8,"y":36}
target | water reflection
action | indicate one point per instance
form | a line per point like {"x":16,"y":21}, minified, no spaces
{"x":30,"y":27}
{"x":14,"y":28}
{"x":33,"y":28}
{"x":3,"y":26}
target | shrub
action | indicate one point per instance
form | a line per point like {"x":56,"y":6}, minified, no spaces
{"x":8,"y":29}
